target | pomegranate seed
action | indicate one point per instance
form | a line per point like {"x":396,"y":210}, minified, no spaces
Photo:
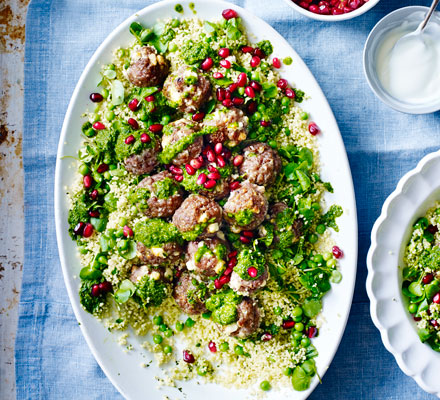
{"x":218,"y":148}
{"x":282,"y":84}
{"x":130,"y":139}
{"x":232,"y":262}
{"x":245,"y":240}
{"x":78,"y":230}
{"x":224,"y":280}
{"x":256,"y":86}
{"x":198,"y":116}
{"x":323,"y":9}
{"x":105,"y":287}
{"x":417,"y":319}
{"x":94,"y":213}
{"x":428,"y":278}
{"x":255,"y":61}
{"x":178,"y":178}
{"x":227,"y":103}
{"x":228,"y":94}
{"x":145,"y":138}
{"x":434,"y":323}
{"x":150,"y":98}
{"x":229,"y":13}
{"x":226,"y":153}
{"x":221,"y":162}
{"x":276,"y":62}
{"x":96,"y":97}
{"x":337,"y":252}
{"x":436,"y":298}
{"x":211,"y":168}
{"x":209,"y":184}
{"x":207,"y":64}
{"x":214,"y":175}
{"x":217,"y":75}
{"x":175,"y":170}
{"x":233,"y":254}
{"x":212,"y":347}
{"x":102,"y":168}
{"x":252,"y":271}
{"x":290,"y":93}
{"x":233,"y":87}
{"x":311,"y":332}
{"x":265,"y":124}
{"x":88,"y":181}
{"x":190,"y":170}
{"x":94,"y":194}
{"x":238,"y":160}
{"x":188,"y":357}
{"x":228,"y":271}
{"x":238,"y":101}
{"x":88,"y":230}
{"x":217,"y":284}
{"x":210,"y":155}
{"x":234,"y":185}
{"x":242,"y":79}
{"x":196,"y":164}
{"x":225,"y":64}
{"x":133,"y":105}
{"x":249,"y":92}
{"x":259,"y":53}
{"x":224,"y":52}
{"x":432,"y":229}
{"x":313,"y":129}
{"x":133,"y":123}
{"x":248,"y":234}
{"x":252,"y":107}
{"x":221,"y":94}
{"x":201,"y":179}
{"x":98,"y":126}
{"x":247,"y":49}
{"x":155,"y":128}
{"x":335,"y":11}
{"x":128,"y":232}
{"x":314,"y":9}
{"x":288,"y":324}
{"x":266,"y":336}
{"x":95,"y":290}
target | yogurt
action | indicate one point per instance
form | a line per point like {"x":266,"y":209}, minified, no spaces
{"x":409,"y":69}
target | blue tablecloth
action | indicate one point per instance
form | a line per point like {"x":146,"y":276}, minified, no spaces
{"x":52,"y":358}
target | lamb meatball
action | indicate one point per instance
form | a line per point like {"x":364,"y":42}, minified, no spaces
{"x":261,"y":164}
{"x":138,"y":272}
{"x":166,"y":253}
{"x":165,"y":195}
{"x":231,"y":124}
{"x":189,"y":304}
{"x":198,"y":217}
{"x":188,"y":88}
{"x":176,"y":132}
{"x":207,"y":257}
{"x":144,"y":162}
{"x":246,"y":207}
{"x":148,"y":68}
{"x":248,"y":318}
{"x":244,"y":286}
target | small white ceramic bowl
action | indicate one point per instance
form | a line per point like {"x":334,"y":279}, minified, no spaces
{"x":333,"y":18}
{"x":416,"y":192}
{"x":372,"y":44}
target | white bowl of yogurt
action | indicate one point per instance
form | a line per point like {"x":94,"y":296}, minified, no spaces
{"x":405,"y":76}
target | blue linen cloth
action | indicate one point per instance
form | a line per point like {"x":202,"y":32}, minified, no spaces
{"x":52,"y":358}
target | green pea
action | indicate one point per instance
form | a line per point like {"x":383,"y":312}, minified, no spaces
{"x":331,"y":263}
{"x":157,"y":339}
{"x":190,"y":322}
{"x":318,"y":259}
{"x":297,"y":312}
{"x":201,"y":371}
{"x":224,"y":346}
{"x":206,"y":315}
{"x":316,"y":206}
{"x":163,"y":327}
{"x":122,"y":221}
{"x":112,"y":167}
{"x":321,"y":229}
{"x":107,"y":175}
{"x":167,"y":349}
{"x":83,"y":169}
{"x":313,"y":238}
{"x":304,"y":116}
{"x":277,"y":310}
{"x":299,"y":327}
{"x":111,"y":66}
{"x":157,"y":320}
{"x":305,"y":342}
{"x":97,"y":177}
{"x":83,"y":250}
{"x":96,"y":117}
{"x":238,"y":350}
{"x":257,"y":116}
{"x":272,"y":143}
{"x":107,"y":158}
{"x":175,"y":23}
{"x":297,"y":335}
{"x":111,"y":107}
{"x":261,"y":108}
{"x":165,"y":120}
{"x":102,"y":260}
{"x":295,"y":343}
{"x":264,"y":65}
{"x":104,"y":93}
{"x":110,"y":115}
{"x":311,"y":264}
{"x":172,"y":47}
{"x":285,"y":101}
{"x":297,"y":318}
{"x":412,"y":308}
{"x":119,"y":233}
{"x":288,"y":371}
{"x":241,"y":91}
{"x":265,"y":385}
{"x":327,"y":256}
{"x":123,"y":244}
{"x":179,"y":326}
{"x":255,"y":76}
{"x":168,"y":333}
{"x":287,"y":60}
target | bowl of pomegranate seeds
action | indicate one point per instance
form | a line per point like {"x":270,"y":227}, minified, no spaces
{"x":332,"y":10}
